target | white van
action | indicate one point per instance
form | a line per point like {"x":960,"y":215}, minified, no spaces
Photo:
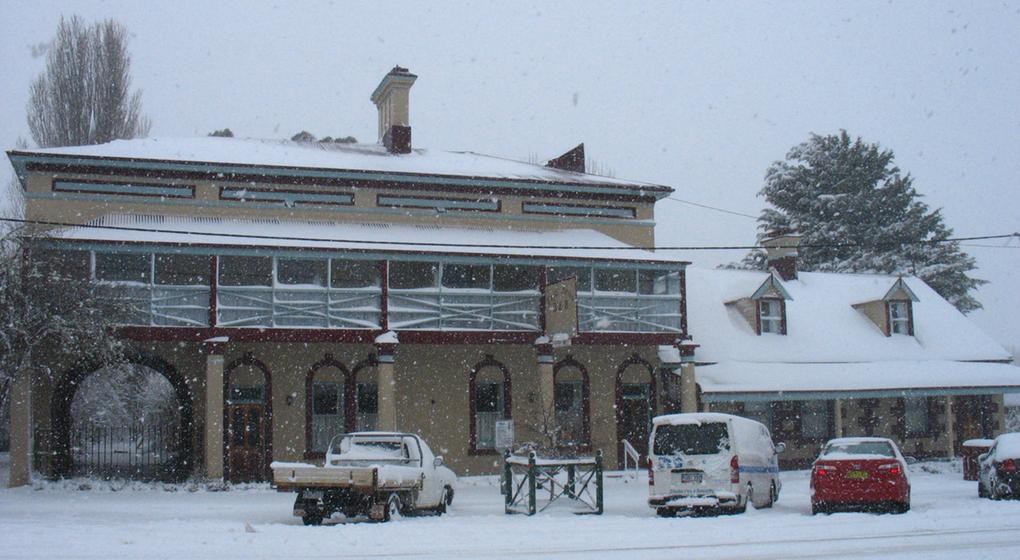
{"x":711,"y":461}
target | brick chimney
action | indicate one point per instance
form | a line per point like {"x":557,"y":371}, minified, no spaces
{"x":393,"y":99}
{"x":781,"y":250}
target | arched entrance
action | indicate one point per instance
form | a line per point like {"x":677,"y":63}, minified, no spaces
{"x":635,"y":404}
{"x":131,"y":420}
{"x":248,"y":420}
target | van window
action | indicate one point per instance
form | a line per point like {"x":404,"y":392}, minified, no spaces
{"x":691,"y":439}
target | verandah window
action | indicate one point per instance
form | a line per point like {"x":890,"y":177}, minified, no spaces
{"x":916,"y":416}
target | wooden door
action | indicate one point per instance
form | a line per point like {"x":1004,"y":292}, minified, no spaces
{"x":634,"y":418}
{"x":245,"y":443}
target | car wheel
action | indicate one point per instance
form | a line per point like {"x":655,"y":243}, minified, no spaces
{"x":999,"y":490}
{"x":394,"y":509}
{"x":313,"y":520}
{"x":665,"y":512}
{"x":817,"y":508}
{"x":901,"y":507}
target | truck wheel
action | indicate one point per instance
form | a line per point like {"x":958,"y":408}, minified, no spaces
{"x":393,"y":508}
{"x":441,"y":508}
{"x":665,"y":512}
{"x":314,"y":520}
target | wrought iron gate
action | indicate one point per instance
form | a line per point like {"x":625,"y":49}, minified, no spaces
{"x":150,"y":451}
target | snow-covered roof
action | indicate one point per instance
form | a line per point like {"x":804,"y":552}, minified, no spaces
{"x":345,"y":236}
{"x":879,"y":379}
{"x":822,"y":324}
{"x":288,"y":155}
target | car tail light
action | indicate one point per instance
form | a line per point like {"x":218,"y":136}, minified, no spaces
{"x":891,"y":468}
{"x":651,"y":473}
{"x":821,"y":470}
{"x":1009,"y":465}
{"x":735,"y":470}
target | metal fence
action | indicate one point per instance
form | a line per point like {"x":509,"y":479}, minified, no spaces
{"x":148,"y":451}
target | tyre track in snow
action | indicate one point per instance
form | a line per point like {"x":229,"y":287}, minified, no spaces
{"x":732,"y":551}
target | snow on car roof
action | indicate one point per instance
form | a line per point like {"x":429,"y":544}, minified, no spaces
{"x":698,"y":418}
{"x":334,"y":156}
{"x":1007,"y":446}
{"x":862,"y":439}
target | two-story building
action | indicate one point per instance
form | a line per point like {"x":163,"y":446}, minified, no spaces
{"x":291,"y":291}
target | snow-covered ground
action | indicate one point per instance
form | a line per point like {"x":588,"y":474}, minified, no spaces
{"x":58,"y":520}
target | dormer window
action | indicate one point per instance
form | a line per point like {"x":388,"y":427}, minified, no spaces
{"x":894,"y":313}
{"x":765,"y":309}
{"x":770,"y":316}
{"x":900,"y":317}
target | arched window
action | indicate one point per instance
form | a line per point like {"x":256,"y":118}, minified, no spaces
{"x":572,"y":402}
{"x":326,"y":388}
{"x":489,"y":388}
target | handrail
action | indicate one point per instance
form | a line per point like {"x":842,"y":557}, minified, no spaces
{"x":630,"y":453}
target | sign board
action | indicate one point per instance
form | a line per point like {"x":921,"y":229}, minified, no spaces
{"x":504,"y":434}
{"x":561,"y":310}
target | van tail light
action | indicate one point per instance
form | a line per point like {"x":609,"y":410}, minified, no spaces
{"x":735,"y":470}
{"x":891,"y":469}
{"x":1009,"y":465}
{"x":651,"y":473}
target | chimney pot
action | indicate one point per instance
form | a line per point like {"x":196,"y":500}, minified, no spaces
{"x":392,"y":98}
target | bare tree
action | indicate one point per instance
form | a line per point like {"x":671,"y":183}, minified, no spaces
{"x":50,"y":312}
{"x":83,"y":97}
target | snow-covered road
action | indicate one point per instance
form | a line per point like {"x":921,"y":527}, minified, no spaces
{"x":55,"y":520}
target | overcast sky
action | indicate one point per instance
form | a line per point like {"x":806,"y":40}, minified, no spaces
{"x":699,"y":96}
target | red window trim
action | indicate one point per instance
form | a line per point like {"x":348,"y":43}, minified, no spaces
{"x":569,"y":361}
{"x":488,"y":361}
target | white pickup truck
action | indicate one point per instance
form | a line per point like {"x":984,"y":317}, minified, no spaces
{"x":375,"y":474}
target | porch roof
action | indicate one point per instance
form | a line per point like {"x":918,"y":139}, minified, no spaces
{"x":404,"y":241}
{"x":744,"y":381}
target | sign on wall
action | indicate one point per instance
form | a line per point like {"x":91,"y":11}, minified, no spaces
{"x":504,"y":434}
{"x":561,"y":310}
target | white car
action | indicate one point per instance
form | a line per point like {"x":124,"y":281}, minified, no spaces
{"x":374,"y":474}
{"x":711,"y":461}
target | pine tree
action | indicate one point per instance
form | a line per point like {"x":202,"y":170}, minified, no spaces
{"x":835,"y":190}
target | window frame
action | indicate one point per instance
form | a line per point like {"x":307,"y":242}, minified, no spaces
{"x":488,"y":362}
{"x":760,"y":319}
{"x":908,"y":320}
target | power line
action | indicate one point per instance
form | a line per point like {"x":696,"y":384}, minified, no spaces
{"x":507,"y":246}
{"x":723,"y":210}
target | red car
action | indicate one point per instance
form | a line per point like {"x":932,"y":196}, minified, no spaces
{"x":860,"y":473}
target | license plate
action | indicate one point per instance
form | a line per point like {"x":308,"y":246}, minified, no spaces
{"x":688,"y":477}
{"x":857,"y":475}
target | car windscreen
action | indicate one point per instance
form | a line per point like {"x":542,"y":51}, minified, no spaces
{"x":691,"y":439}
{"x":858,"y":449}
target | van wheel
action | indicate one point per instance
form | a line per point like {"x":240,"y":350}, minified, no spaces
{"x":772,"y":497}
{"x":748,"y":498}
{"x":665,"y":512}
